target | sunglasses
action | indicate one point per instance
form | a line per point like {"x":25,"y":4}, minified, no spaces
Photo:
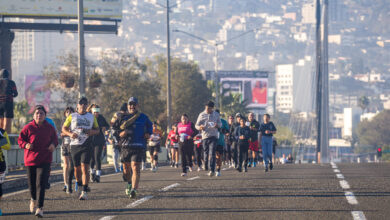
{"x":132,"y":103}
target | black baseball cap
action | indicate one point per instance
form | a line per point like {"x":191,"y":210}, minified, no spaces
{"x":210,"y":104}
{"x":83,"y":100}
{"x":133,"y":100}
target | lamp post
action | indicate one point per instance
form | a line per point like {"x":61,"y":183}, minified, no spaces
{"x":215,"y":44}
{"x":81,"y":60}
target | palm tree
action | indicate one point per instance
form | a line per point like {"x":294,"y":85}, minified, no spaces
{"x":363,"y":103}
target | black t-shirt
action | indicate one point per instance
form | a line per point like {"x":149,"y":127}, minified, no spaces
{"x":99,"y":139}
{"x":269,"y":126}
{"x":254,"y":126}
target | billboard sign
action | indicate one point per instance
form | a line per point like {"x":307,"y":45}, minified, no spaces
{"x":252,"y":85}
{"x":36,"y":92}
{"x":98,"y":9}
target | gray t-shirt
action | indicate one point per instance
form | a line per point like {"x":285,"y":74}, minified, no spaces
{"x":209,"y":121}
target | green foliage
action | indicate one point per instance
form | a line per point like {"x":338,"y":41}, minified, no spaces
{"x":375,"y":132}
{"x":188,"y":88}
{"x":21,"y":116}
{"x":285,"y":136}
{"x":363,"y":103}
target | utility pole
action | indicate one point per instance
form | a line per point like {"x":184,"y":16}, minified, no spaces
{"x":169,"y":105}
{"x":218,"y":103}
{"x":81,"y":61}
{"x":6,"y":38}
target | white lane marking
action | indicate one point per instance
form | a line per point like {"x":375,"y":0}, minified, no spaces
{"x":358,"y":215}
{"x":193,"y":178}
{"x":334,"y":167}
{"x":107,"y":217}
{"x":340,"y":176}
{"x":226,"y":168}
{"x":336,"y":170}
{"x":138,"y":202}
{"x":169,"y":187}
{"x":332,"y":163}
{"x":344,"y":184}
{"x":351,"y":198}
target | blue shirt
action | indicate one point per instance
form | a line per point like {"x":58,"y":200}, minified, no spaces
{"x":137,"y":131}
{"x":52,"y":123}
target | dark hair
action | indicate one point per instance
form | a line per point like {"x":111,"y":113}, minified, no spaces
{"x":268,"y":116}
{"x":4,"y":73}
{"x":185,"y":115}
{"x":243,"y":118}
{"x":40,"y":107}
{"x":70,"y":109}
{"x":217,"y":110}
{"x":123,"y":107}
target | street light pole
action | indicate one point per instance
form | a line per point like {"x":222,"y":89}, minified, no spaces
{"x":81,"y":60}
{"x":169,"y":105}
{"x":218,"y":104}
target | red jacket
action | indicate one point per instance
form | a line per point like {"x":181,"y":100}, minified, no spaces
{"x":40,"y":137}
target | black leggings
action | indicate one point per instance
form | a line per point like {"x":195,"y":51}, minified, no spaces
{"x":97,"y":157}
{"x":1,"y":189}
{"x":37,"y":179}
{"x":70,"y":171}
{"x":243,"y":154}
{"x":186,"y":149}
{"x":228,"y":153}
{"x":199,"y":155}
{"x":235,"y":149}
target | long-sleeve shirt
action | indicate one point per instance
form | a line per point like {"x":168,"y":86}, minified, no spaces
{"x":40,"y":136}
{"x":8,"y":90}
{"x":208,"y":120}
{"x":242,"y":131}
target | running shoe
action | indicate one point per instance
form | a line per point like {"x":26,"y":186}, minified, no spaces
{"x":76,"y":187}
{"x":143,"y":166}
{"x":271,"y":166}
{"x":172,"y":164}
{"x":121,"y":169}
{"x":218,"y":173}
{"x":177,"y":165}
{"x":152,"y":168}
{"x":124,"y":178}
{"x":39,"y":213}
{"x":47,"y":185}
{"x":239,"y":169}
{"x":97,"y":179}
{"x":116,"y":170}
{"x":33,"y":205}
{"x":211,"y":173}
{"x":128,"y":190}
{"x":190,"y":169}
{"x":83,"y":195}
{"x":245,"y":169}
{"x":133,"y":194}
{"x":199,"y":169}
{"x":266,"y":169}
{"x":93,"y":176}
{"x":249,"y":164}
{"x":254,"y":164}
{"x":183,"y":174}
{"x":64,"y":189}
{"x":69,"y":190}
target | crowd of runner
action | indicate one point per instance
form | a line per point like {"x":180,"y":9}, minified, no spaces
{"x":205,"y":145}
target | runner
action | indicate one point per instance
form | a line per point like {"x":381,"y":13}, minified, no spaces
{"x":274,"y":145}
{"x":4,"y":145}
{"x":198,"y":150}
{"x":221,"y":144}
{"x":154,"y":146}
{"x":254,"y":140}
{"x":8,"y":92}
{"x":173,"y":141}
{"x":115,"y":138}
{"x":243,"y":134}
{"x":186,"y":130}
{"x":98,"y":143}
{"x":68,"y":169}
{"x":80,"y":126}
{"x":38,"y":139}
{"x":267,"y":129}
{"x":229,"y":141}
{"x":135,"y":128}
{"x":235,"y":147}
{"x":208,"y":123}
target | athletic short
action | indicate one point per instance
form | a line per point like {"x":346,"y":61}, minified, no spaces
{"x":175,"y":145}
{"x":254,"y":146}
{"x":81,"y":153}
{"x":153,"y":149}
{"x":6,"y":109}
{"x":132,"y":154}
{"x":65,"y":150}
{"x":219,"y":149}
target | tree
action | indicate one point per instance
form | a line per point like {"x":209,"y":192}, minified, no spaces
{"x":375,"y":132}
{"x":285,"y":136}
{"x":364,"y":102}
{"x":21,"y":116}
{"x":188,"y":88}
{"x":124,"y":76}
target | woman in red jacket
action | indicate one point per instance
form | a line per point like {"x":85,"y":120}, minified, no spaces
{"x":38,"y":139}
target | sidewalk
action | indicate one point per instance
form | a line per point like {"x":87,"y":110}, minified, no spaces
{"x":16,"y":180}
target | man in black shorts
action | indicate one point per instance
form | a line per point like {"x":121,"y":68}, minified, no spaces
{"x":80,"y":126}
{"x":135,"y":128}
{"x":7,"y":94}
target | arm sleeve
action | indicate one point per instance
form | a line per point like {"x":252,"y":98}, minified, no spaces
{"x":273,"y":127}
{"x":95,"y":123}
{"x":149,"y":126}
{"x":197,"y":124}
{"x":8,"y":145}
{"x":68,"y":121}
{"x":105,"y":124}
{"x":23,"y":138}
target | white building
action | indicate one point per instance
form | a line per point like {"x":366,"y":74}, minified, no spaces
{"x":284,"y":87}
{"x":309,"y":13}
{"x":351,"y":119}
{"x":251,"y":63}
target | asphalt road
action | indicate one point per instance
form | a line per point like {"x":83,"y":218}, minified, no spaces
{"x":307,"y":191}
